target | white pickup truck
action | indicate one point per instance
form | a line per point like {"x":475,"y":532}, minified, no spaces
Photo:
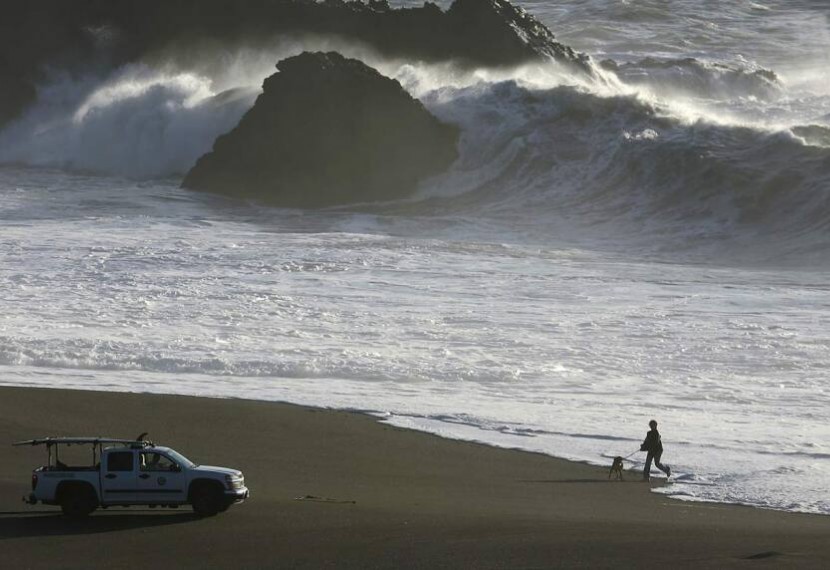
{"x":130,"y":472}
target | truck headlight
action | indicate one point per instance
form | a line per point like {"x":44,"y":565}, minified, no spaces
{"x":234,"y":482}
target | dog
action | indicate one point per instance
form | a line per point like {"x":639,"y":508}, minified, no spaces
{"x":617,"y":468}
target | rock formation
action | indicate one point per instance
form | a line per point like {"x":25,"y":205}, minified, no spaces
{"x":68,"y":34}
{"x":16,"y":92}
{"x":327,"y":131}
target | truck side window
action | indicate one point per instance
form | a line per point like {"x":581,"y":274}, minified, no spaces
{"x":156,"y":462}
{"x":120,"y":461}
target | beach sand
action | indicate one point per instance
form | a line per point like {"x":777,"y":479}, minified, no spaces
{"x":388,"y":498}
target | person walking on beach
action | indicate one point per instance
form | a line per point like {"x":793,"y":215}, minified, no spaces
{"x":653,"y":446}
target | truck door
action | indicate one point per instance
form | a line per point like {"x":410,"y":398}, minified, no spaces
{"x":161,"y":479}
{"x":118,"y":478}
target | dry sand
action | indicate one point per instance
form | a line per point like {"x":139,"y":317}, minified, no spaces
{"x":396,"y":499}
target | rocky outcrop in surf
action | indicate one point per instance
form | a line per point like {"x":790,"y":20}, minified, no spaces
{"x":16,"y":91}
{"x":66,"y":34}
{"x":327,"y":131}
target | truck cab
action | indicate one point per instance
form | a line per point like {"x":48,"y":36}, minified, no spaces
{"x":156,"y":474}
{"x":131,"y":472}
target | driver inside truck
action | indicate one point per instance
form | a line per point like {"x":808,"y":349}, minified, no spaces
{"x":150,"y":462}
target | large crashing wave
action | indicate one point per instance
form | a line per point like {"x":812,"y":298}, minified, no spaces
{"x":612,"y":158}
{"x":648,"y":148}
{"x":624,"y":162}
{"x":150,"y":119}
{"x":140,"y":123}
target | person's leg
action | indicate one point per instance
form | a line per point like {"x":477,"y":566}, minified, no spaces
{"x":647,"y":467}
{"x":664,"y":468}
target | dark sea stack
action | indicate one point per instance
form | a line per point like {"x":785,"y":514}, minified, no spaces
{"x":327,"y":131}
{"x":497,"y":32}
{"x":16,"y":92}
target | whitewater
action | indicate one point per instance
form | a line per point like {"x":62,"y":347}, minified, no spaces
{"x":649,"y":241}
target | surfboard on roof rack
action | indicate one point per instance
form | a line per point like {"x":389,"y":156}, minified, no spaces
{"x":84,"y":441}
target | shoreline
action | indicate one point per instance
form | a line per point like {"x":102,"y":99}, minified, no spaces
{"x":390,"y":497}
{"x":657,"y":481}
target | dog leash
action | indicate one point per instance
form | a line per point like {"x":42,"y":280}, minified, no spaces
{"x":632,"y":453}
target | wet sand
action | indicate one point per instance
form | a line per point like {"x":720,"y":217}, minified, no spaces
{"x":385,"y":498}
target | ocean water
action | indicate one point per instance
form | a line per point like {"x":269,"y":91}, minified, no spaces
{"x":649,"y":242}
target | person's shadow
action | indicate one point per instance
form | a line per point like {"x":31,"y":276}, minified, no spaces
{"x":21,"y":524}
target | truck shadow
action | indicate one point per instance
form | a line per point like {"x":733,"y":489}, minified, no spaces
{"x":20,"y":524}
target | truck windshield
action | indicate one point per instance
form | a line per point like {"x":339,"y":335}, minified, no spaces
{"x":179,"y":458}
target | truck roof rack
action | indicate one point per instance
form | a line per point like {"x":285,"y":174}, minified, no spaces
{"x":137,"y":443}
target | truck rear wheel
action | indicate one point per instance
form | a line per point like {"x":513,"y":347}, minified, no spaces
{"x":206,"y":499}
{"x":78,"y":501}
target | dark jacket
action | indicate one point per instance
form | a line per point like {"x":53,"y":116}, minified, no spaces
{"x":652,"y":443}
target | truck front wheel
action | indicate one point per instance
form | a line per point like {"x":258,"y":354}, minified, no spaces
{"x":206,"y":499}
{"x":78,"y":501}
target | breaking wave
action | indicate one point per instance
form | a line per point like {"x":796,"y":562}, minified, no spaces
{"x":651,"y":148}
{"x":140,"y":123}
{"x":620,"y":159}
{"x":692,"y":77}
